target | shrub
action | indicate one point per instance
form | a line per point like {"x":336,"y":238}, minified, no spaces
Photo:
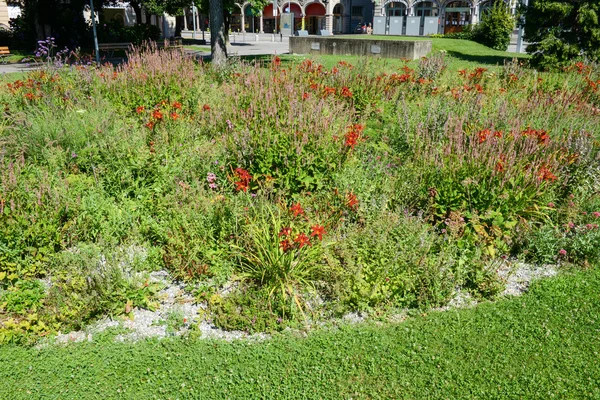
{"x":495,"y":27}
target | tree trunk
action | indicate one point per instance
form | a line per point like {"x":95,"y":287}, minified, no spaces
{"x":138,"y":12}
{"x":179,"y":25}
{"x":218,"y":48}
{"x":227,"y":21}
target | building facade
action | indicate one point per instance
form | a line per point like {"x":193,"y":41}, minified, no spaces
{"x":342,"y":16}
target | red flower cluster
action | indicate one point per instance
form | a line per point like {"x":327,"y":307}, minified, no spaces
{"x":328,"y":90}
{"x":483,"y":135}
{"x":297,"y":209}
{"x":276,"y":62}
{"x":544,"y":174}
{"x":157,"y":115}
{"x":345,"y":92}
{"x":354,"y":135}
{"x":243,"y":179}
{"x":541,"y":135}
{"x":352,"y":201}
{"x":206,"y":107}
{"x":288,"y":242}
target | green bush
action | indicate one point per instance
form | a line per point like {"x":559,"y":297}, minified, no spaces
{"x":495,"y":27}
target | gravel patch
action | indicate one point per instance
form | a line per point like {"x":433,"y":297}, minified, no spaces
{"x":178,"y":312}
{"x":176,"y":315}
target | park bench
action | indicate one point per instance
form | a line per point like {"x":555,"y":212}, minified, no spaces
{"x":112,"y":47}
{"x":4,"y":54}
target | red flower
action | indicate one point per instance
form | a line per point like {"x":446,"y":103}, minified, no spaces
{"x":352,"y":201}
{"x":149,"y":125}
{"x":318,"y":230}
{"x":302,"y":240}
{"x":346,"y":92}
{"x":354,"y":135}
{"x":206,"y":107}
{"x":244,"y":179}
{"x":544,"y":174}
{"x":177,"y":105}
{"x":285,"y":245}
{"x":276,"y":61}
{"x":305,"y":96}
{"x":174,"y":115}
{"x":328,"y":90}
{"x":29,"y":96}
{"x":157,"y":115}
{"x":297,"y":209}
{"x":483,"y":135}
{"x":140,"y":109}
{"x":285,"y":231}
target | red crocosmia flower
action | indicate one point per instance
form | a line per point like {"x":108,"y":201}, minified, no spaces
{"x":140,"y":109}
{"x":334,"y":70}
{"x":328,"y":90}
{"x":149,"y":125}
{"x":352,"y":201}
{"x":318,"y":231}
{"x":174,"y":115}
{"x":354,"y":135}
{"x":478,"y":88}
{"x":29,"y":96}
{"x":483,"y":135}
{"x":297,"y":209}
{"x":206,"y":107}
{"x":302,"y":240}
{"x":346,"y":92}
{"x":157,"y":115}
{"x":276,"y":61}
{"x":286,"y":231}
{"x":305,"y":96}
{"x":285,"y":245}
{"x":314,"y":86}
{"x":244,"y":179}
{"x":544,"y":174}
{"x":177,"y":105}
{"x":498,"y":134}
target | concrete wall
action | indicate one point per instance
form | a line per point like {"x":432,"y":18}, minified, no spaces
{"x":408,"y":49}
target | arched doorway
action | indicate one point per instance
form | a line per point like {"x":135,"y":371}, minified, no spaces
{"x":338,"y":22}
{"x":395,"y":9}
{"x":458,"y":14}
{"x":297,"y":10}
{"x":270,"y":22}
{"x":425,"y":9}
{"x":252,"y":19}
{"x":315,"y":18}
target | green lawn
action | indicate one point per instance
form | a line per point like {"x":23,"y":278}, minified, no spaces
{"x":544,"y":344}
{"x":464,"y":50}
{"x":197,"y":48}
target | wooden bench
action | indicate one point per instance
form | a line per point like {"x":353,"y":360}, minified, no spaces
{"x":4,"y":54}
{"x":112,"y":47}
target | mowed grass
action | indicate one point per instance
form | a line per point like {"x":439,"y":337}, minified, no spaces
{"x":467,"y":51}
{"x":542,"y":345}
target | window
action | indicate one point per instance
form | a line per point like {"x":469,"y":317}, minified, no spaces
{"x":357,"y":11}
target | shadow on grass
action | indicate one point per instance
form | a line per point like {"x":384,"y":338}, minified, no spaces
{"x":484,"y":59}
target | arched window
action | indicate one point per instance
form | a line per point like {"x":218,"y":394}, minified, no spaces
{"x":426,"y":9}
{"x":395,"y":9}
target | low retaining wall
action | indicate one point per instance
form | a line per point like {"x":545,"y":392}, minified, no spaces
{"x":409,"y":49}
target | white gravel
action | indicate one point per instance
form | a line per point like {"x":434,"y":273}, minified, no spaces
{"x":179,"y":308}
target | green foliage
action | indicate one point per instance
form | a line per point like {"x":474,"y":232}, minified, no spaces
{"x":537,"y":345}
{"x":495,"y":27}
{"x":561,"y":31}
{"x":394,"y":260}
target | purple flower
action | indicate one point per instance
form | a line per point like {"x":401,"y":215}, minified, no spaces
{"x":229,"y":124}
{"x":73,"y":154}
{"x":212,"y":185}
{"x":211,"y":177}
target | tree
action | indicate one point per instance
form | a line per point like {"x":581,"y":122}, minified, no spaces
{"x":562,"y":30}
{"x":495,"y":27}
{"x":218,"y":47}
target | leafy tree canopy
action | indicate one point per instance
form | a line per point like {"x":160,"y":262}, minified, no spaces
{"x":562,"y":30}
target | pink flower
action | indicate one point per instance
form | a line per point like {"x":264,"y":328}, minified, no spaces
{"x":551,"y":205}
{"x":571,"y":225}
{"x":562,"y":252}
{"x":596,"y":214}
{"x":589,"y":226}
